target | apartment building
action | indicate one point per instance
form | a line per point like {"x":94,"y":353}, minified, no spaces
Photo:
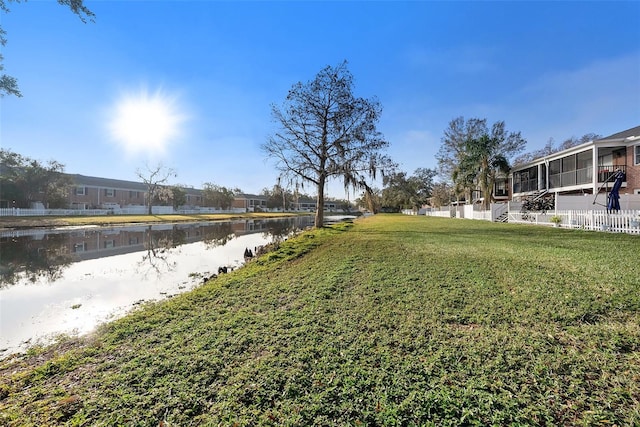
{"x":585,"y":169}
{"x":90,"y":192}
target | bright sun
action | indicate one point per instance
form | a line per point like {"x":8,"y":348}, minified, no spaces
{"x":146,"y":123}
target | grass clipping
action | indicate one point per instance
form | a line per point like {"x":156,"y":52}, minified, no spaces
{"x":391,"y":320}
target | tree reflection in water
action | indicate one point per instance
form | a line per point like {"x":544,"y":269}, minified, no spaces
{"x":279,"y":230}
{"x":33,"y":259}
{"x":39,"y":255}
{"x":158,"y":245}
{"x":218,"y":234}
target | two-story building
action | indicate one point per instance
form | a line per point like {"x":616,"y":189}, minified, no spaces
{"x":584,"y":169}
{"x":90,"y":192}
{"x":307,"y":204}
{"x":249,"y":202}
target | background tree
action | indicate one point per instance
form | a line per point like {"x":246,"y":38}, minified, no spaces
{"x":281,"y":190}
{"x":402,"y":192}
{"x":178,"y":196}
{"x":473,"y":156}
{"x":275,"y":197}
{"x":26,"y":181}
{"x":422,"y":182}
{"x":8,"y":84}
{"x":156,"y":179}
{"x":397,"y":191}
{"x":441,"y":195}
{"x":551,"y":148}
{"x":325,"y":132}
{"x":163,"y":196}
{"x":456,"y":135}
{"x":217,"y":196}
{"x":344,"y":204}
{"x":370,"y":199}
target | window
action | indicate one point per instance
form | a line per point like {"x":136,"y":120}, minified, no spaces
{"x":110,"y":192}
{"x":569,"y":163}
{"x":80,"y":247}
{"x":81,"y":191}
{"x":584,"y":170}
{"x":637,"y":155}
{"x":584,"y":159}
{"x":108,"y":244}
{"x":501,"y":188}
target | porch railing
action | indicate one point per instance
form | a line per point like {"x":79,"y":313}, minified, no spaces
{"x":606,"y":172}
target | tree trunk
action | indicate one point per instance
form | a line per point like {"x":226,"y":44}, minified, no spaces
{"x":484,"y":184}
{"x":150,"y":191}
{"x":319,"y":221}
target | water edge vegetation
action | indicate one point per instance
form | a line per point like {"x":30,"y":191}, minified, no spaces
{"x":390,"y":320}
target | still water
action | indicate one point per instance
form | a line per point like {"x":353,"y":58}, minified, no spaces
{"x":68,"y":281}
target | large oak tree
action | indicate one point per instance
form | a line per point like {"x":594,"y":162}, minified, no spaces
{"x":325,"y":132}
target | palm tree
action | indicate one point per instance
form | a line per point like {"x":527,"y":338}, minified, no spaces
{"x":465,"y":175}
{"x":484,"y":156}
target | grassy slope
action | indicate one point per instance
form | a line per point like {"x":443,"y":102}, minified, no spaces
{"x":398,"y":320}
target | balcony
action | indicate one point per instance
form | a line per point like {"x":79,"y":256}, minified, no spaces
{"x":571,"y":178}
{"x":525,"y":186}
{"x":606,"y":172}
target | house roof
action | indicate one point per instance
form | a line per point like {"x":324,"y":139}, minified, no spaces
{"x":119,"y":184}
{"x":95,"y":181}
{"x":625,"y":134}
{"x":633,"y":132}
{"x":250,"y":197}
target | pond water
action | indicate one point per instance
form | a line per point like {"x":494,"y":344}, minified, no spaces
{"x":67,"y":281}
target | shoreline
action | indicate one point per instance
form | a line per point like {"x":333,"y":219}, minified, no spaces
{"x":22,"y":223}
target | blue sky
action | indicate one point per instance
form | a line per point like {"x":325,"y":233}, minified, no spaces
{"x":203,"y":75}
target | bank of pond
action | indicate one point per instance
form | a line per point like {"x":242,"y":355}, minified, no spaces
{"x":69,"y":280}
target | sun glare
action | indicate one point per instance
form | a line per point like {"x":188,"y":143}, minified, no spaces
{"x":146,"y":123}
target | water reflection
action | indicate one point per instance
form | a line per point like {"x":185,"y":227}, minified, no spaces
{"x":67,"y":281}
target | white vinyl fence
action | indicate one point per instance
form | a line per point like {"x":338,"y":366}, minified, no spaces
{"x":445,"y":212}
{"x":595,"y":220}
{"x":624,"y":221}
{"x":471,"y":212}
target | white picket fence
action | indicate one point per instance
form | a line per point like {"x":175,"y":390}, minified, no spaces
{"x":624,"y":221}
{"x":595,"y":220}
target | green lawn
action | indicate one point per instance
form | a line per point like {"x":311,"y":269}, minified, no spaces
{"x":392,"y":320}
